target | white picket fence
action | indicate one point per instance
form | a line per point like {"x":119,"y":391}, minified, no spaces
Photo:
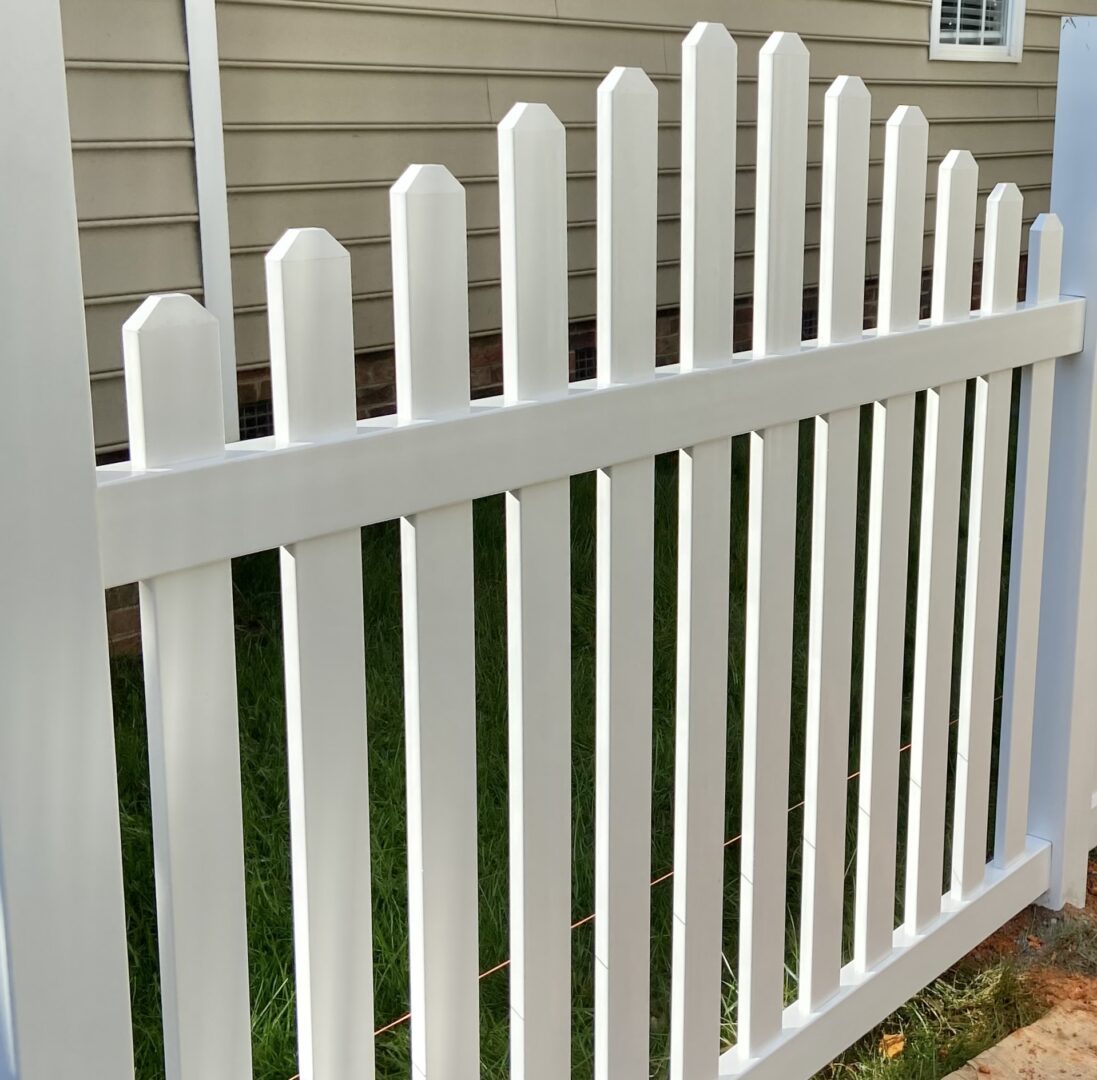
{"x":185,"y":504}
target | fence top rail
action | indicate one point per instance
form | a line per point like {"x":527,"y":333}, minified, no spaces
{"x":157,"y":521}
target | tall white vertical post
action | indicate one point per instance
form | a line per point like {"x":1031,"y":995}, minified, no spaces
{"x":1066,"y":675}
{"x":901,"y":235}
{"x":533,"y":234}
{"x":847,"y":117}
{"x":709,"y":65}
{"x":173,"y":398}
{"x":1045,"y":257}
{"x":628,"y":141}
{"x":783,"y":67}
{"x":430,"y":274}
{"x":64,"y":980}
{"x":312,"y":372}
{"x":213,"y":206}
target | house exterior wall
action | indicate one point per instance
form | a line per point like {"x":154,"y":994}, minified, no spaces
{"x":325,"y":103}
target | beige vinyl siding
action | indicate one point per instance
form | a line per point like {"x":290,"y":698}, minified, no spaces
{"x":326,"y":101}
{"x":133,"y":159}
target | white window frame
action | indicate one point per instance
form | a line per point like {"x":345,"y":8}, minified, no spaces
{"x":1010,"y":53}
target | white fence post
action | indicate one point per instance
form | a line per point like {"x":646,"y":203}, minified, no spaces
{"x":1066,"y":675}
{"x":533,"y":227}
{"x":173,"y":397}
{"x":709,"y":67}
{"x":1045,"y":257}
{"x":430,"y":301}
{"x":783,"y":67}
{"x":627,"y":159}
{"x":64,"y":981}
{"x":213,"y":205}
{"x":312,"y":375}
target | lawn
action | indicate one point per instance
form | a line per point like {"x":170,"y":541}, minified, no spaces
{"x":265,"y":797}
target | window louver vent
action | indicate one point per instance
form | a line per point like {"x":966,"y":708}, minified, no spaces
{"x":973,"y":22}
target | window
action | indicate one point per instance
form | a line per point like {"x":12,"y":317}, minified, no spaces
{"x":977,"y":30}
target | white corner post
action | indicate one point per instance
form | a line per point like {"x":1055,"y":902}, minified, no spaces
{"x":64,"y":980}
{"x":213,"y":200}
{"x":1063,"y":745}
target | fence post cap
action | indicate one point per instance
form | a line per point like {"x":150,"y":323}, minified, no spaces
{"x":959,"y":161}
{"x":848,"y":86}
{"x":167,"y":311}
{"x":530,"y":116}
{"x":627,"y":80}
{"x":1047,"y":223}
{"x":710,"y":35}
{"x":908,"y":116}
{"x":427,"y":180}
{"x":1005,"y":193}
{"x":299,"y":245}
{"x":784,"y":43}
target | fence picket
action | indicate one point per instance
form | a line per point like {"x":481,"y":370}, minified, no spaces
{"x":533,"y":239}
{"x":905,"y":156}
{"x":936,"y":602}
{"x":709,"y":65}
{"x":173,"y":394}
{"x":312,"y":376}
{"x":990,"y":449}
{"x":430,"y":275}
{"x":627,"y":162}
{"x":1045,"y":255}
{"x":847,"y":115}
{"x":779,"y":259}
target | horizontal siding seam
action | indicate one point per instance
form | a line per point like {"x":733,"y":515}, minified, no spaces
{"x":553,"y":73}
{"x":132,"y":144}
{"x":137,"y":221}
{"x":106,"y":299}
{"x":584,"y":223}
{"x":580,"y":272}
{"x":564,"y":21}
{"x":73,"y":64}
{"x":335,"y":127}
{"x":490,"y":178}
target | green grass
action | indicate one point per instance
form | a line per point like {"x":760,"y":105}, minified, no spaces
{"x":265,"y":798}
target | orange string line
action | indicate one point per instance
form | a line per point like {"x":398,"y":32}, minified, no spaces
{"x":655,"y":881}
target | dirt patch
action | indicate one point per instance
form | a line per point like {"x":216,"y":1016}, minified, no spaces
{"x":1055,"y":951}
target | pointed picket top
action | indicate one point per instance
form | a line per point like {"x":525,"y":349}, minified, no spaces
{"x":784,"y":43}
{"x":908,"y":118}
{"x":299,"y":245}
{"x":532,"y":116}
{"x":957,"y":162}
{"x":844,"y":210}
{"x":427,"y":180}
{"x":1045,"y":260}
{"x":710,"y":37}
{"x":848,"y":87}
{"x":167,"y":311}
{"x":430,"y":293}
{"x":172,"y":360}
{"x":710,"y":63}
{"x":627,"y":80}
{"x":906,"y":145}
{"x":533,"y":244}
{"x":627,"y":181}
{"x":954,"y":241}
{"x":1002,"y":248}
{"x":311,"y":336}
{"x":781,"y":181}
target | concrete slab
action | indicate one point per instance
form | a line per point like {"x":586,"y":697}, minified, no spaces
{"x":1060,"y":1046}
